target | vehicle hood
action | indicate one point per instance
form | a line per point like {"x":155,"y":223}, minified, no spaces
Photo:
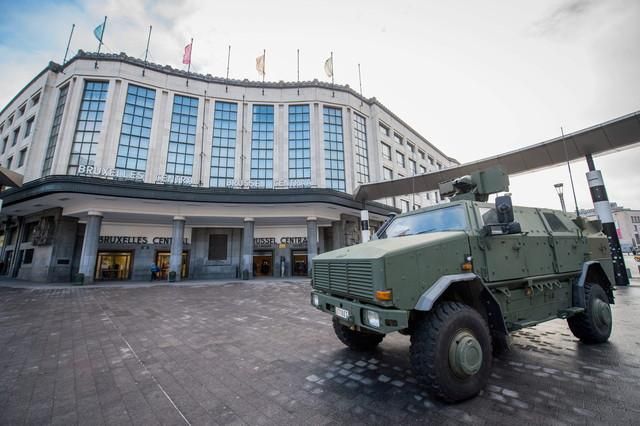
{"x":390,"y":246}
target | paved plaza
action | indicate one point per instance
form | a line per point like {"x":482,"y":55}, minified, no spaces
{"x":257,"y":353}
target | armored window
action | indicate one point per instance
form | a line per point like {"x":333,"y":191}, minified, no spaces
{"x":135,"y":134}
{"x":218,"y":247}
{"x":488,"y":215}
{"x":9,"y":161}
{"x":5,"y":141}
{"x":223,"y":146}
{"x":400,"y":158}
{"x":555,"y":224}
{"x":88,"y":125}
{"x":404,"y":205}
{"x":55,"y":130}
{"x":411,"y":146}
{"x":22,"y":110}
{"x":333,"y":149}
{"x":422,"y":154}
{"x":262,"y":131}
{"x":182,"y":139}
{"x":423,"y":170}
{"x":35,"y":99}
{"x":299,"y":142}
{"x":430,"y":160}
{"x":362,"y":153}
{"x":386,"y":151}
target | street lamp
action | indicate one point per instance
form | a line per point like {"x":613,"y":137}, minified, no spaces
{"x":560,"y":189}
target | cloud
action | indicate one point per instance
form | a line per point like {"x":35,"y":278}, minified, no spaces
{"x":565,"y":18}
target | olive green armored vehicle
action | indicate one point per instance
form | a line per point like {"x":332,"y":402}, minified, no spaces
{"x":460,"y":276}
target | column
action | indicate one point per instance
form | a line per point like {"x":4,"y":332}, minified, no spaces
{"x":312,"y":241}
{"x":603,"y":209}
{"x":177,"y":241}
{"x":89,"y":255}
{"x":337,"y":234}
{"x":247,"y":248}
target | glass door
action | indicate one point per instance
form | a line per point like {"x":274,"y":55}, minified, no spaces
{"x":299,"y":266}
{"x":162,"y":260}
{"x":263,"y":264}
{"x":113,"y":266}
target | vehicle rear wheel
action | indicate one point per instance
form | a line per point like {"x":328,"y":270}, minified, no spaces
{"x":594,"y":324}
{"x":451,"y":352}
{"x":356,"y":340}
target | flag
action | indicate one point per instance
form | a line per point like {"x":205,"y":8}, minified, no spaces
{"x":186,"y":58}
{"x":260,"y":64}
{"x":99,"y":32}
{"x":328,"y":67}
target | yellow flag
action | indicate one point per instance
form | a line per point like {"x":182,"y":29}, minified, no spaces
{"x":260,"y":64}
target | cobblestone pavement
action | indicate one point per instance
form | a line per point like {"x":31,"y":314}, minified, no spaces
{"x":257,"y":353}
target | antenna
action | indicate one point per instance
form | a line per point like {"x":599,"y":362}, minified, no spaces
{"x":573,"y":188}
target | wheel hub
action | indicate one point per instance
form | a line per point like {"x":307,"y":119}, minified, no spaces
{"x":602,"y":312}
{"x":465,"y":354}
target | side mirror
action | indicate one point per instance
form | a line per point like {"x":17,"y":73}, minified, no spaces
{"x":504,"y":209}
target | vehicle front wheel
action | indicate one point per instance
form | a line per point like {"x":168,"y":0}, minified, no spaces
{"x":594,"y":324}
{"x":356,"y":340}
{"x":451,"y":352}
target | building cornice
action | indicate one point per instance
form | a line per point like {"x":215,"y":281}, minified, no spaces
{"x":127,"y":189}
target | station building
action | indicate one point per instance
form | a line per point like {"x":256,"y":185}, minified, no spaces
{"x":110,"y":165}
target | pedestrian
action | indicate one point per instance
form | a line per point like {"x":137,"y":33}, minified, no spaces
{"x":154,"y":271}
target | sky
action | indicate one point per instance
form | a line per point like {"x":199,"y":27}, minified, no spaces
{"x":475,"y":78}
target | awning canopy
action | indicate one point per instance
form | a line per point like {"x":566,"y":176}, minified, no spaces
{"x":9,"y":178}
{"x":615,"y":135}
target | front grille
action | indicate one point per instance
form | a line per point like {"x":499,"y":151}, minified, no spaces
{"x":353,"y":278}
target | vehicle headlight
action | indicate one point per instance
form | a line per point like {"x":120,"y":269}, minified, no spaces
{"x":371,"y":318}
{"x":315,"y":300}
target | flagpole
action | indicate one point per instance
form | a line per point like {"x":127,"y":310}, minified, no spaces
{"x":68,"y":44}
{"x":333,"y":93}
{"x":146,"y":52}
{"x":360,"y":80}
{"x":264,"y":68}
{"x":104,"y":27}
{"x":189,"y":66}
{"x":226,"y":89}
{"x":298,"y":71}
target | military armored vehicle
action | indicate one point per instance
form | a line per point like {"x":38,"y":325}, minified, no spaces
{"x":458,"y":277}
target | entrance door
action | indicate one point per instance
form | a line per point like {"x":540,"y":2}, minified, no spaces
{"x":113,"y":266}
{"x":299,"y":266}
{"x":263,"y":263}
{"x":162,"y":260}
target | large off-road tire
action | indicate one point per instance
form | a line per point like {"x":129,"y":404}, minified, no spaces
{"x":356,"y":340}
{"x":451,"y":352}
{"x":594,"y":324}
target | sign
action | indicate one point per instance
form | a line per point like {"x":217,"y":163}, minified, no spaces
{"x":112,"y":172}
{"x":109,"y":172}
{"x":277,"y":183}
{"x":283,"y":243}
{"x":123,"y":239}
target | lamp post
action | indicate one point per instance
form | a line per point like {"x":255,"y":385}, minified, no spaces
{"x":560,"y":190}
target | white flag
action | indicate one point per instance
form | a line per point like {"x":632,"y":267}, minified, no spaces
{"x":260,"y":64}
{"x":328,"y":67}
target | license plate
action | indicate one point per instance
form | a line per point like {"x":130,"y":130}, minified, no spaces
{"x":342,"y":313}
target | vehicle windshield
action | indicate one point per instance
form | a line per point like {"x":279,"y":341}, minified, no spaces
{"x":445,"y":219}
